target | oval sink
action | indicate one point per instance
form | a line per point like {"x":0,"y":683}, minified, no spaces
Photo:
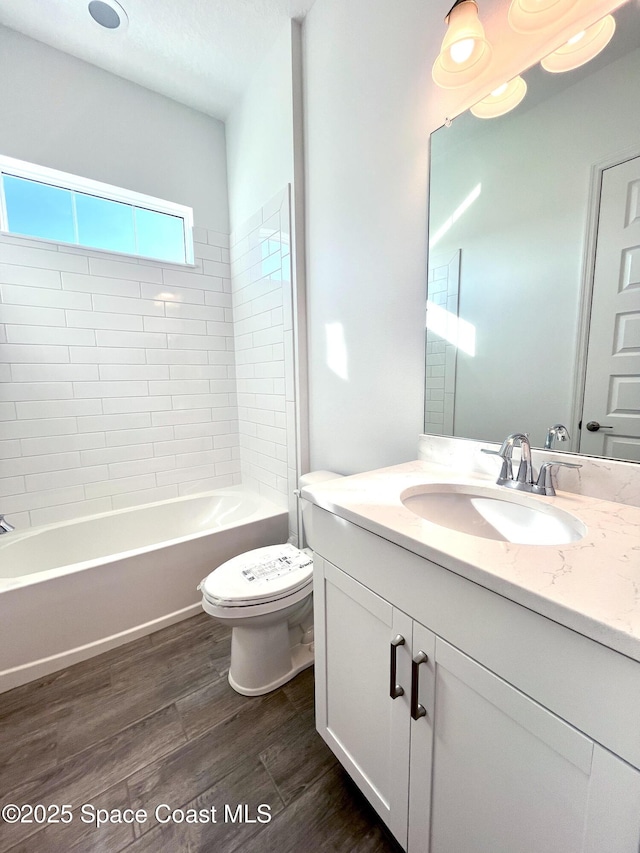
{"x":482,"y":512}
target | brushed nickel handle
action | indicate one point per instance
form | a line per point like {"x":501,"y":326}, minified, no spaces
{"x":417,"y":710}
{"x":395,"y":689}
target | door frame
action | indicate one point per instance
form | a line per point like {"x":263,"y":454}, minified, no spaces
{"x":588,"y":276}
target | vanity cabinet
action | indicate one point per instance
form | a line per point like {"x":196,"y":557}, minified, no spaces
{"x":479,"y":766}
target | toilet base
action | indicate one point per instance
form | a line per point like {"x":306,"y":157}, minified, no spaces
{"x":302,"y":656}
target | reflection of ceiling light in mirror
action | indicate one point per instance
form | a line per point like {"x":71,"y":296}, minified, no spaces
{"x":108,"y":14}
{"x":501,"y":100}
{"x":529,"y":16}
{"x":465,"y":52}
{"x":582,"y":47}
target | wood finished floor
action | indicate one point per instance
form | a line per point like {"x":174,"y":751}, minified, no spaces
{"x":155,"y":722}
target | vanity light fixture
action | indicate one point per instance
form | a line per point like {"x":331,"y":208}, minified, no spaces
{"x":582,"y":47}
{"x":501,"y":100}
{"x":529,"y":16}
{"x":465,"y":52}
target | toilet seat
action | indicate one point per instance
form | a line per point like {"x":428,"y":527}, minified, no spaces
{"x":259,"y":577}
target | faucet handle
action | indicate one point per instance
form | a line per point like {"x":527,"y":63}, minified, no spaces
{"x":545,"y":481}
{"x":506,"y":472}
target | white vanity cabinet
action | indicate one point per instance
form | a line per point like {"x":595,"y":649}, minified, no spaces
{"x":481,"y":766}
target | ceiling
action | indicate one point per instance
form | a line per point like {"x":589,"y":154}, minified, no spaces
{"x":199,"y":52}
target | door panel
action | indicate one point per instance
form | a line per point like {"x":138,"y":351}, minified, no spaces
{"x":612,"y":390}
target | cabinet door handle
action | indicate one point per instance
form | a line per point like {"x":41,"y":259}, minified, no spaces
{"x":395,"y":689}
{"x":417,"y":710}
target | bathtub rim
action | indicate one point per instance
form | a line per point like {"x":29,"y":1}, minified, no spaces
{"x":265,"y":509}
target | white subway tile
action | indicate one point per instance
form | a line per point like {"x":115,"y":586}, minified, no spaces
{"x":141,"y":466}
{"x":136,"y":371}
{"x":120,"y":269}
{"x":272,"y":434}
{"x":201,"y":430}
{"x":181,"y":386}
{"x":123,"y":305}
{"x":205,"y":342}
{"x":70,"y":477}
{"x":36,"y":500}
{"x":39,"y":464}
{"x":172,"y":293}
{"x":198,"y":371}
{"x":202,"y":457}
{"x":42,"y":258}
{"x":171,"y":324}
{"x":185,"y":416}
{"x":109,"y":389}
{"x":221,"y":357}
{"x":217,"y":238}
{"x":50,"y":335}
{"x":216,"y":270}
{"x":185,"y":278}
{"x":119,"y":487}
{"x":189,"y":445}
{"x":9,"y":449}
{"x":45,"y":298}
{"x":174,"y":356}
{"x":53,"y":372}
{"x":29,"y":276}
{"x":30,"y":315}
{"x":115,"y":405}
{"x":271,"y":369}
{"x":101,"y":320}
{"x":181,"y":475}
{"x":161,"y":493}
{"x":199,"y":234}
{"x":218,"y":299}
{"x":5,"y":370}
{"x":150,"y":340}
{"x":108,"y":423}
{"x":61,"y":443}
{"x":35,"y":391}
{"x":230,"y":440}
{"x":208,"y":484}
{"x":58,"y":408}
{"x":106,"y":355}
{"x":54,"y":514}
{"x":109,"y":455}
{"x":200,"y":401}
{"x":211,"y":253}
{"x":12,"y":486}
{"x":8,"y":412}
{"x":117,"y":438}
{"x":185,"y":311}
{"x":41,"y":427}
{"x":267,"y":337}
{"x":98,"y":284}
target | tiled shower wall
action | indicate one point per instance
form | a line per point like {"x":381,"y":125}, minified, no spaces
{"x":117,"y":379}
{"x":263,"y":326}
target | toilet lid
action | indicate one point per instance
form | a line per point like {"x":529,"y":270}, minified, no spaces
{"x":264,"y":574}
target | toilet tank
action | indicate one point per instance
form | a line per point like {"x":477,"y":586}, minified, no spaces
{"x":311,"y":479}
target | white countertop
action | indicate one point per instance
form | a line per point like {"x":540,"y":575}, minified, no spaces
{"x":591,"y":586}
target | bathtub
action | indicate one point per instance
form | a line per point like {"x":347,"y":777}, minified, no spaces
{"x":73,"y":590}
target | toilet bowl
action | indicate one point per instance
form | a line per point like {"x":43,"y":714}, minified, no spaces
{"x":265,"y":596}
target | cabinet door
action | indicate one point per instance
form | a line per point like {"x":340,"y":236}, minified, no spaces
{"x":423,"y":646}
{"x":367,"y":730}
{"x":508,"y":776}
{"x":613,"y":812}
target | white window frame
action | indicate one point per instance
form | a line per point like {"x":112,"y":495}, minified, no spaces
{"x":63,"y":180}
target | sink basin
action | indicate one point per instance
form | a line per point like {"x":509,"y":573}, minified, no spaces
{"x":480,"y":511}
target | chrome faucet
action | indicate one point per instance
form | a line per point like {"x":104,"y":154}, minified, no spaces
{"x":558,"y":431}
{"x":5,"y":526}
{"x":525,"y":479}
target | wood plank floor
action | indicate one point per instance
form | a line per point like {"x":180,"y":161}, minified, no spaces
{"x":155,"y":722}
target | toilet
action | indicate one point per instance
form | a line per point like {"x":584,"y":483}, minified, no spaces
{"x":266,"y":597}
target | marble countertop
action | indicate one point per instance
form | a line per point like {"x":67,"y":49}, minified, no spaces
{"x":591,"y":586}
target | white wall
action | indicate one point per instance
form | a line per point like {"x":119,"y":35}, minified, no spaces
{"x":61,"y":112}
{"x":370,"y":105}
{"x":260,"y":133}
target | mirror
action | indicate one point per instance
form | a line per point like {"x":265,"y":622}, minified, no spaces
{"x":516,"y":240}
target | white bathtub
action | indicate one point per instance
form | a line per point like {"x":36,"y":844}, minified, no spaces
{"x":73,"y":590}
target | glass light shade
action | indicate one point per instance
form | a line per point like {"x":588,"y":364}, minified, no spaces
{"x":501,"y":100}
{"x":581,"y":48}
{"x":529,"y":16}
{"x":465,"y":52}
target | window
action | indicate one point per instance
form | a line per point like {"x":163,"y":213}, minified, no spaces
{"x":41,"y":202}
